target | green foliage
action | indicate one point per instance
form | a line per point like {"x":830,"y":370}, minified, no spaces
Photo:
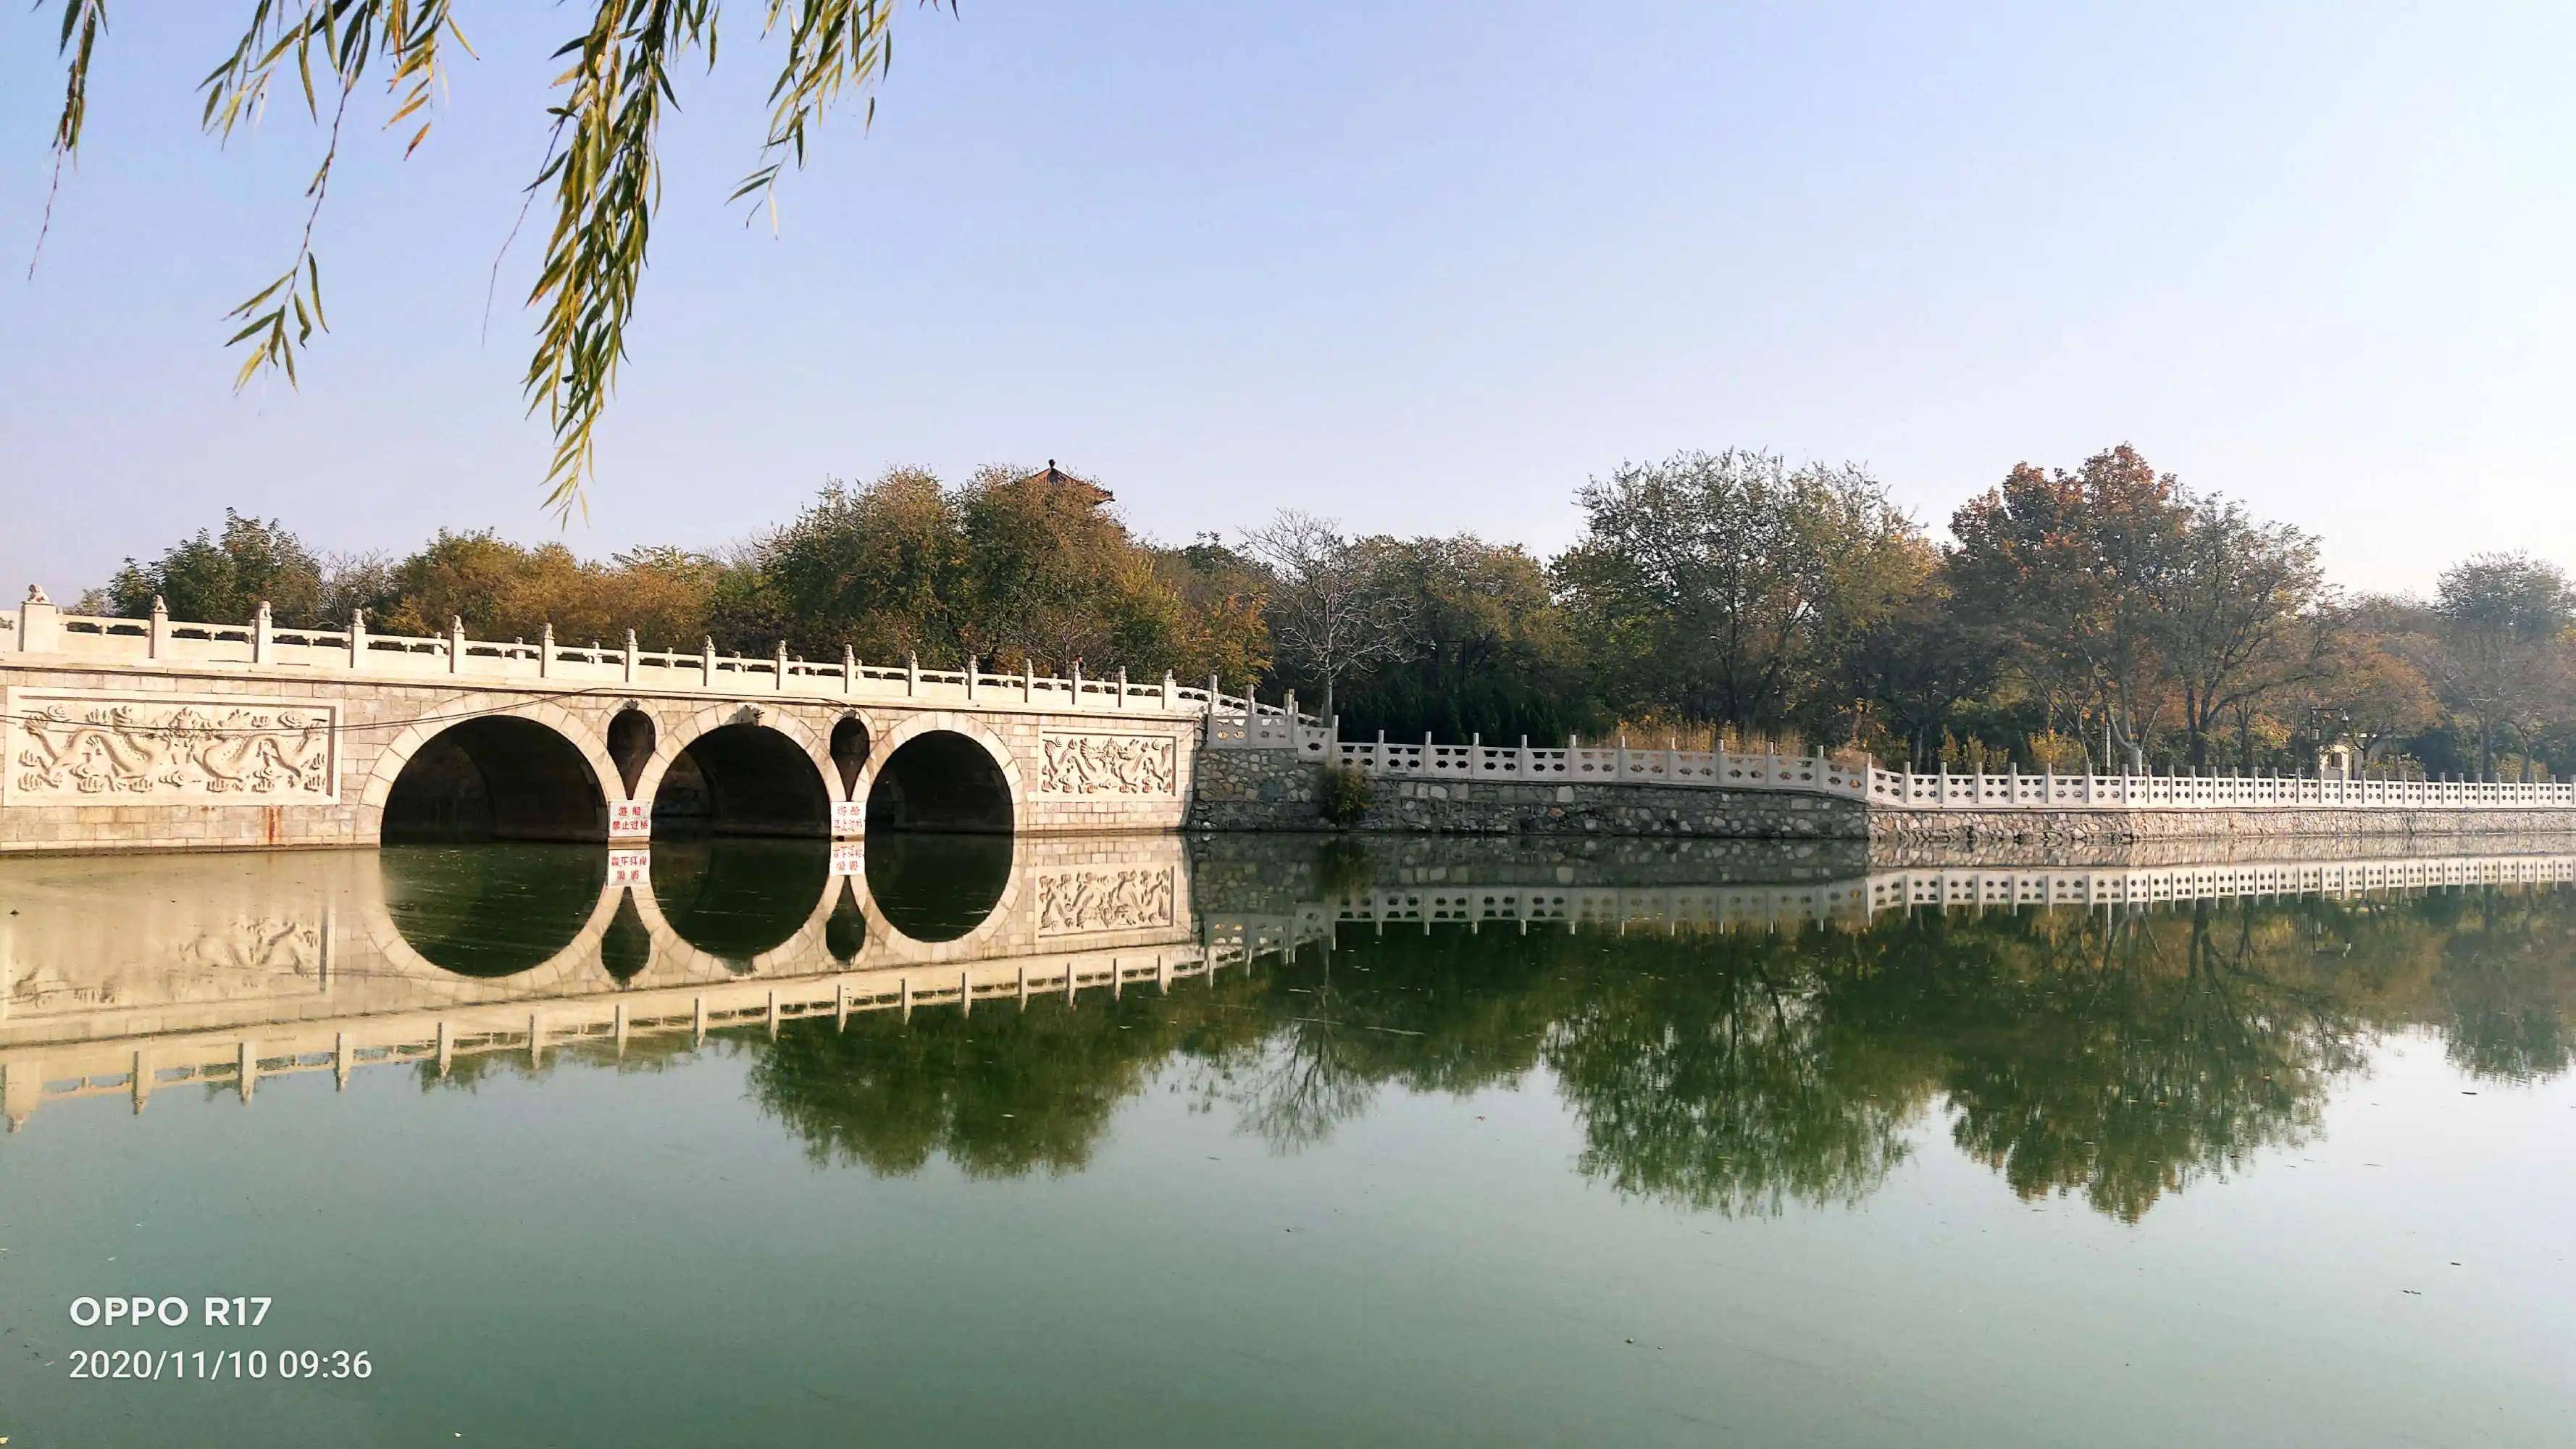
{"x":1727,"y":586}
{"x":1345,"y":793}
{"x":221,"y":578}
{"x":1014,"y":569}
{"x":1490,"y":652}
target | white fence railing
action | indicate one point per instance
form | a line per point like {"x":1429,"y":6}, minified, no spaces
{"x":39,"y":628}
{"x":1579,"y":765}
{"x":1818,"y":774}
{"x":2205,"y":792}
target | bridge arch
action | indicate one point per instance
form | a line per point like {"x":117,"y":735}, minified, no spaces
{"x":744,"y":770}
{"x":466,"y":770}
{"x":941,"y":771}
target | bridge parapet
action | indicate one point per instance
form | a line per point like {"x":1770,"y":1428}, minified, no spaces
{"x":41,"y":628}
{"x":1849,"y":778}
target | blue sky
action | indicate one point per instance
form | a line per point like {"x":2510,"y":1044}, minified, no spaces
{"x":1423,"y":268}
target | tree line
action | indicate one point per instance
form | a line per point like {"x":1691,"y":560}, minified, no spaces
{"x":2105,"y":617}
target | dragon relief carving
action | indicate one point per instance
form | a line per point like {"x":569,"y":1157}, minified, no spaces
{"x":76,"y":747}
{"x":1104,"y":900}
{"x":1075,"y":764}
{"x":247,"y":958}
{"x":257,"y":946}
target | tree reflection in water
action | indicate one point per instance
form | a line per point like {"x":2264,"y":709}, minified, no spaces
{"x":2116,"y":1055}
{"x":1001,"y":1092}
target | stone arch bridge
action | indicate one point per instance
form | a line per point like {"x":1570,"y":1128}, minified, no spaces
{"x":154,"y":734}
{"x":130,"y":734}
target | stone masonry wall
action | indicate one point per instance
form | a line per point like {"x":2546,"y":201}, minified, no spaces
{"x":1276,"y":790}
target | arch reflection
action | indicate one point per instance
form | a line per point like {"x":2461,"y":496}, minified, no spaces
{"x":626,"y":947}
{"x":938,"y":887}
{"x":491,"y":910}
{"x":736,"y":898}
{"x":845,"y":933}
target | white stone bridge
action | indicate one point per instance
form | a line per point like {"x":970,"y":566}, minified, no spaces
{"x":156,"y":733}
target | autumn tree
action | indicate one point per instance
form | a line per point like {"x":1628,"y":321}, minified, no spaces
{"x":2066,"y":566}
{"x":1222,"y":591}
{"x":1015,"y":568}
{"x":2372,"y":684}
{"x":497,"y":587}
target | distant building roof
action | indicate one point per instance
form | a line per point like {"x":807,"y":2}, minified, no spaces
{"x":1055,"y":477}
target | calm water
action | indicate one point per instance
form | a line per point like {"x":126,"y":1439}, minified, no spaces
{"x":1454,"y":1144}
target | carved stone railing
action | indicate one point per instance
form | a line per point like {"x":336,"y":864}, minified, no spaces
{"x":38,"y":628}
{"x":1604,"y":765}
{"x":1848,"y":779}
{"x":1908,"y":790}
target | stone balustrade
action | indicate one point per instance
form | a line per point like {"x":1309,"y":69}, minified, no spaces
{"x":39,"y":627}
{"x":1820,"y":774}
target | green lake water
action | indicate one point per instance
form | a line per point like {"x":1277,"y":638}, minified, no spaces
{"x":1659,"y":1151}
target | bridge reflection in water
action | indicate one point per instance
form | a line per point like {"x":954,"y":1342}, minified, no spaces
{"x":1757,"y":1029}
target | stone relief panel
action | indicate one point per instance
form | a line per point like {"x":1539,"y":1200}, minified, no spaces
{"x":98,"y":748}
{"x":1093,"y":764}
{"x":1133,"y":899}
{"x":248,"y":958}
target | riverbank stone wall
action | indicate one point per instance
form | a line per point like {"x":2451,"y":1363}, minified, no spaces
{"x":1276,"y":790}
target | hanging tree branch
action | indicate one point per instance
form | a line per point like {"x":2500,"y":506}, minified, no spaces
{"x":601,"y":166}
{"x":82,"y":21}
{"x":344,"y":35}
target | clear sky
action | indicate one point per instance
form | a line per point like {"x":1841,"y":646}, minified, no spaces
{"x":1420,"y":267}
